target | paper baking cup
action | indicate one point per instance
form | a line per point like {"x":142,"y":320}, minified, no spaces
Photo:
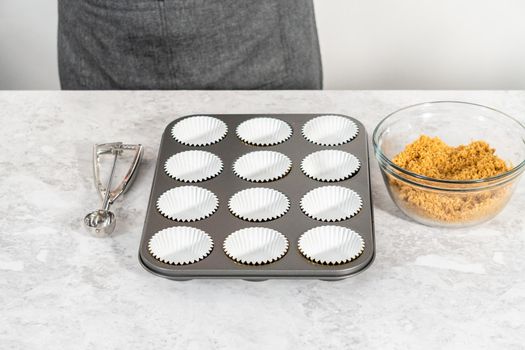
{"x":255,"y":245}
{"x":259,"y":204}
{"x":199,"y":131}
{"x":262,"y":166}
{"x":264,"y":131}
{"x":180,"y":245}
{"x":193,"y":166}
{"x":330,"y":165}
{"x":331,"y":203}
{"x":187,"y":203}
{"x":330,"y":130}
{"x":331,"y":245}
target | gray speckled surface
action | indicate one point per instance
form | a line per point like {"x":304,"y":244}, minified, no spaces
{"x":60,"y":288}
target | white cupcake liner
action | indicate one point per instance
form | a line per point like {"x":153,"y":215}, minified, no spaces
{"x":262,"y":166}
{"x":199,"y":131}
{"x":193,"y":166}
{"x":330,"y":165}
{"x":187,"y":203}
{"x":331,"y":245}
{"x":180,"y":245}
{"x":258,"y":204}
{"x":330,"y":130}
{"x":331,"y":203}
{"x":255,"y":245}
{"x":264,"y":131}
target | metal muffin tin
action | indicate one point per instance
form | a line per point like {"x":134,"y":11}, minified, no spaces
{"x":293,"y":224}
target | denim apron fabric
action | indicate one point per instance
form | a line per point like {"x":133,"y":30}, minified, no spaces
{"x":188,"y":44}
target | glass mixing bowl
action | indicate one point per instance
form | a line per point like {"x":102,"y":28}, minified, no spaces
{"x":450,"y":203}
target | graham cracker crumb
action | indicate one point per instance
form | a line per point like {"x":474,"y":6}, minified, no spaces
{"x":431,"y":157}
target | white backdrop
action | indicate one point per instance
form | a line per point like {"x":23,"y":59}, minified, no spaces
{"x":366,"y":44}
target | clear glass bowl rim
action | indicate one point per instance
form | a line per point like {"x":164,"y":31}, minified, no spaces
{"x":383,"y":158}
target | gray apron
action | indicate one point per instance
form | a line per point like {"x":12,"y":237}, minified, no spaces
{"x":188,"y":44}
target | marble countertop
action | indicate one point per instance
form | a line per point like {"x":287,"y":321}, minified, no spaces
{"x":428,"y":288}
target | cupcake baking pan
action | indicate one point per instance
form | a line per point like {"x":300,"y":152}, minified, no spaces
{"x":260,"y":196}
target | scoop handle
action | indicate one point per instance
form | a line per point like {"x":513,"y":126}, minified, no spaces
{"x":107,"y":198}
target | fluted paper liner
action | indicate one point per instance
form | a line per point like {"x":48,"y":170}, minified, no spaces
{"x":331,"y":203}
{"x":199,"y":131}
{"x":259,"y":204}
{"x":330,"y":130}
{"x":187,"y":203}
{"x":264,"y":131}
{"x":180,"y":245}
{"x":255,"y":245}
{"x":330,"y":165}
{"x":193,"y":166}
{"x":331,"y":245}
{"x":262,"y":166}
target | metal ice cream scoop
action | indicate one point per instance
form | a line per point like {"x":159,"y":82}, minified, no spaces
{"x":102,"y":222}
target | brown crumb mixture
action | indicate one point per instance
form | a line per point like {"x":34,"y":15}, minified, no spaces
{"x":431,"y":157}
